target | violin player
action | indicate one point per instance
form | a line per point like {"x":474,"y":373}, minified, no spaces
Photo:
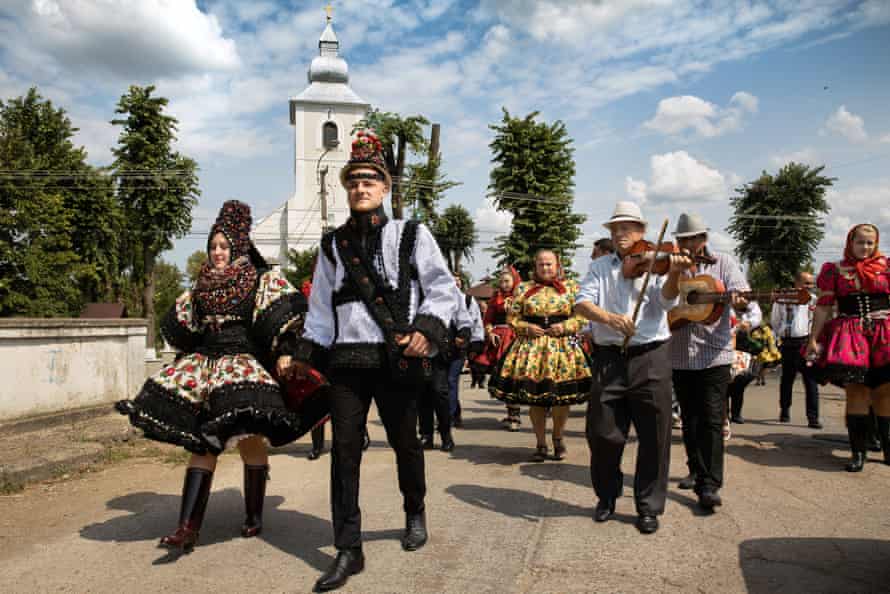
{"x":632,"y":370}
{"x":701,"y":356}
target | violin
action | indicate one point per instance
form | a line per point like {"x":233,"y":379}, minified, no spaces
{"x":636,"y":262}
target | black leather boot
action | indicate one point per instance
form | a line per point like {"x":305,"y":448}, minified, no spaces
{"x":415,"y":532}
{"x":857,"y":428}
{"x":447,"y":442}
{"x":317,"y":442}
{"x":884,"y":436}
{"x":366,"y":440}
{"x":348,"y":562}
{"x":255,"y":478}
{"x":195,"y":493}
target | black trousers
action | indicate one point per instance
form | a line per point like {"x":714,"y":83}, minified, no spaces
{"x":351,"y":395}
{"x":436,"y":399}
{"x":735,"y":393}
{"x":792,"y":363}
{"x":631,"y":389}
{"x":702,"y":396}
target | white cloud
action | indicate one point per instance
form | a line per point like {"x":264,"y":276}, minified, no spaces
{"x":491,"y":219}
{"x":885,"y":138}
{"x":847,"y":124}
{"x":678,"y":177}
{"x":676,"y":115}
{"x":806,"y":156}
{"x":130,"y":39}
{"x":636,"y":189}
{"x":864,"y":203}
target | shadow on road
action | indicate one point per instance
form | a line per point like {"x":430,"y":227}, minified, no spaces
{"x":516,"y":503}
{"x":153,"y":515}
{"x":787,"y":450}
{"x":815,"y":565}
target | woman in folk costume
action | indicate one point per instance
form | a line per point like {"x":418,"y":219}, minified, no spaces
{"x":231,"y":329}
{"x":500,"y":333}
{"x":545,"y":366}
{"x":852,"y":350}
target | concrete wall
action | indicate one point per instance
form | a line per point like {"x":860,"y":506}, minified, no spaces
{"x":51,"y":365}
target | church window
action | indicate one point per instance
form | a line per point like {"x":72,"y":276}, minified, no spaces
{"x":329,"y":135}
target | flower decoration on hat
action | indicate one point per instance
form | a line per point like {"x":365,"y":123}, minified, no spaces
{"x":233,"y":221}
{"x":366,"y":153}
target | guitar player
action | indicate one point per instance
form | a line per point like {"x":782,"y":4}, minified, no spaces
{"x":701,"y":355}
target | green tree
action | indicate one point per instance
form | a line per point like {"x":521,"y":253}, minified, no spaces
{"x":300,"y":266}
{"x":58,"y":218}
{"x":399,"y":136}
{"x":776,"y":220}
{"x":168,"y":286}
{"x":193,"y":265}
{"x":532,"y":179}
{"x":157,"y":186}
{"x":424,"y":187}
{"x":455,"y":232}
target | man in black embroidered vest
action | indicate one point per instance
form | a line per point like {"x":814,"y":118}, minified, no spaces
{"x":382,"y":298}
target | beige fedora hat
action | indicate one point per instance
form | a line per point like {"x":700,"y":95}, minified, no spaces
{"x":689,"y":225}
{"x":626,"y":211}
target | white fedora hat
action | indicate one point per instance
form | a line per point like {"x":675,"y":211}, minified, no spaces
{"x":626,"y":211}
{"x":689,"y":225}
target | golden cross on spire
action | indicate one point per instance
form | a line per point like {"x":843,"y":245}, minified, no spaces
{"x":330,"y":12}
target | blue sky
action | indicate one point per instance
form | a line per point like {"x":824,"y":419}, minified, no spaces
{"x":671,"y":103}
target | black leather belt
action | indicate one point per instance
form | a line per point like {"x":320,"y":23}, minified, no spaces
{"x":500,"y":319}
{"x":633,"y":350}
{"x":862,"y":304}
{"x":545,"y":321}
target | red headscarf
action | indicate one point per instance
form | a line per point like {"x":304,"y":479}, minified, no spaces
{"x":499,"y":296}
{"x":868,"y":268}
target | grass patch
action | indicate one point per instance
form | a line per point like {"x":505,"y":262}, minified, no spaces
{"x":9,"y":486}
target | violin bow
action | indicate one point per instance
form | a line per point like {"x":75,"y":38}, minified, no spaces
{"x":646,"y":278}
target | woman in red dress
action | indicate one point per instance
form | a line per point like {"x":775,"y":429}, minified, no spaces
{"x":500,"y":334}
{"x":852,"y":350}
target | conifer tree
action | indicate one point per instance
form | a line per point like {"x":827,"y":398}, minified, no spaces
{"x":532,"y":179}
{"x":777,"y":220}
{"x":157,"y":186}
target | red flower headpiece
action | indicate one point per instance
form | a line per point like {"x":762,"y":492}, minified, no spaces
{"x":234,"y":222}
{"x":367,"y":152}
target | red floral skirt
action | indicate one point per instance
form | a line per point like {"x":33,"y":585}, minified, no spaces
{"x":854,"y":352}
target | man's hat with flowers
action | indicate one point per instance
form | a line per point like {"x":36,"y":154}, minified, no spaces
{"x":367,"y":153}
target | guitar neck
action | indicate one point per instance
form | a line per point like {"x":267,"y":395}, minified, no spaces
{"x":727,"y":297}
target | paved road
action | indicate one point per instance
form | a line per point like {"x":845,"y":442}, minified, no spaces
{"x":793,"y":521}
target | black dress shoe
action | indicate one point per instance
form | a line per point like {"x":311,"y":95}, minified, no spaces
{"x":647,"y":524}
{"x":784,"y":417}
{"x":314,"y":454}
{"x":366,"y":440}
{"x":347,"y":563}
{"x":426,"y":442}
{"x":415,"y":532}
{"x":447,"y":444}
{"x":604,"y":510}
{"x":709,"y":499}
{"x":814,"y":424}
{"x":687,"y":482}
{"x":737,"y":419}
{"x":856,"y":462}
{"x":457,"y":421}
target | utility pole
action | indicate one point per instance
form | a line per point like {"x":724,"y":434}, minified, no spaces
{"x":323,"y":198}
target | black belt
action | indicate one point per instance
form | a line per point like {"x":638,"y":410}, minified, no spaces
{"x":499,"y":319}
{"x":787,"y":339}
{"x":633,"y":350}
{"x":545,"y":321}
{"x":862,"y":304}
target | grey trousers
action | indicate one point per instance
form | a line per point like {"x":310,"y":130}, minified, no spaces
{"x":632,"y":388}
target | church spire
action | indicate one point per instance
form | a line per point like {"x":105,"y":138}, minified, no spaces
{"x":328,"y":66}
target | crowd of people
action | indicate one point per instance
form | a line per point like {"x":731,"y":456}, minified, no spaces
{"x":262,"y":363}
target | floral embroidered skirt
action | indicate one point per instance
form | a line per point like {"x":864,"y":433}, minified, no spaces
{"x":854,"y":353}
{"x":543,"y":371}
{"x":205,"y":403}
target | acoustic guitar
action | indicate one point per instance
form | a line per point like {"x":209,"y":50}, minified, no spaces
{"x":703,"y":299}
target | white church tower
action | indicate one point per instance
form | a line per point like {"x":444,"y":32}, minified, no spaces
{"x":323,"y":116}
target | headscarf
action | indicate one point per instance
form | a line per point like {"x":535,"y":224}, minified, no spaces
{"x":868,"y":268}
{"x":499,"y":296}
{"x":224,"y":291}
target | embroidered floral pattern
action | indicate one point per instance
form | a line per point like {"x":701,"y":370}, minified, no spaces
{"x":545,"y":370}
